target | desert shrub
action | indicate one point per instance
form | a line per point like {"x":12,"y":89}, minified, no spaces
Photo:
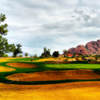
{"x":55,"y":54}
{"x":5,"y":55}
{"x":26,"y":54}
{"x":20,"y":55}
{"x":46,"y":53}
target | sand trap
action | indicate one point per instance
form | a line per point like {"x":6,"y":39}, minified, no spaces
{"x":21,"y":65}
{"x":5,"y":69}
{"x":55,"y":75}
{"x":82,"y":74}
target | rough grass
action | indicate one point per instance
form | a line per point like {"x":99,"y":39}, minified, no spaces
{"x":4,"y":69}
{"x":66,"y":91}
{"x":6,"y":59}
{"x":50,"y":59}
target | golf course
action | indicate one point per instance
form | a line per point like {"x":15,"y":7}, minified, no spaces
{"x":24,"y":79}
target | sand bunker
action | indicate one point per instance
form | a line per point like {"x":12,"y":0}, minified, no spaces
{"x":55,"y":75}
{"x":82,"y":74}
{"x":5,"y":69}
{"x":21,"y":65}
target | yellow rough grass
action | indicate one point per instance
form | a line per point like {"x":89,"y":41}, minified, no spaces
{"x":51,"y":59}
{"x":66,"y":91}
{"x":71,"y":59}
{"x":5,"y":69}
{"x":4,"y":59}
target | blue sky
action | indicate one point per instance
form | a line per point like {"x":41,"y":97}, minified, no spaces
{"x":55,"y":24}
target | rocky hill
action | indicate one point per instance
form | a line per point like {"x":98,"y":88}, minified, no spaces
{"x":92,"y":47}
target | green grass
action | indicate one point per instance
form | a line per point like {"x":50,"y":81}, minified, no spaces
{"x":20,"y":59}
{"x":73,"y":66}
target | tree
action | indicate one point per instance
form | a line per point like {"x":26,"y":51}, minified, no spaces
{"x":65,"y":53}
{"x":20,"y":55}
{"x":97,"y":57}
{"x":26,"y":54}
{"x":5,"y":47}
{"x":5,"y":55}
{"x":3,"y":26}
{"x":35,"y":56}
{"x":46,"y":53}
{"x":55,"y":54}
{"x":17,"y":50}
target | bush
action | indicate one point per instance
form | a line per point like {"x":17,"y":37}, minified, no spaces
{"x":55,"y":54}
{"x":5,"y":55}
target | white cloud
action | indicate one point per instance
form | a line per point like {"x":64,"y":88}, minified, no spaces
{"x":57,"y":24}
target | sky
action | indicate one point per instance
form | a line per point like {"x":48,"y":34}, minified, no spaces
{"x":55,"y":24}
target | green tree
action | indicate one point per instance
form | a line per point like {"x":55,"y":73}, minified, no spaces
{"x":26,"y":54}
{"x":17,"y":50}
{"x":5,"y":47}
{"x":65,"y":52}
{"x":20,"y":55}
{"x":35,"y":56}
{"x":3,"y":26}
{"x":55,"y":54}
{"x":5,"y":55}
{"x":46,"y":53}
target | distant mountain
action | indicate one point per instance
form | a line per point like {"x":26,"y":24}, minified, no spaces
{"x":90,"y":48}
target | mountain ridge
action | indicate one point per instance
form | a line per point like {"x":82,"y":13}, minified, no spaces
{"x":92,"y":47}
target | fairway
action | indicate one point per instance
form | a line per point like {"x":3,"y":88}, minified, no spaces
{"x":73,"y":66}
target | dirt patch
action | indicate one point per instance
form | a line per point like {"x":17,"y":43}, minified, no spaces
{"x":55,"y":75}
{"x":6,"y":69}
{"x":22,"y":65}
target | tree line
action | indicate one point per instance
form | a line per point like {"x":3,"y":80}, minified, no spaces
{"x":46,"y":53}
{"x":6,"y":48}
